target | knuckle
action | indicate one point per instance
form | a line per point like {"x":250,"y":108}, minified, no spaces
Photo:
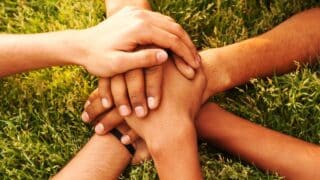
{"x":136,"y":98}
{"x":139,"y":14}
{"x":139,"y":24}
{"x":175,"y":39}
{"x":179,"y":29}
{"x":171,"y":19}
{"x":148,"y":57}
{"x":153,"y":88}
{"x":120,"y":99}
{"x":129,"y":8}
{"x":115,"y":64}
{"x":153,"y":70}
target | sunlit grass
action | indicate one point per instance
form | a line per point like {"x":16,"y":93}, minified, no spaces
{"x":39,"y":111}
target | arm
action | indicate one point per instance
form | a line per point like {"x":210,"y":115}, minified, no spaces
{"x":280,"y":153}
{"x":113,"y":6}
{"x":103,"y":157}
{"x":20,"y":53}
{"x":103,"y":50}
{"x":276,"y":51}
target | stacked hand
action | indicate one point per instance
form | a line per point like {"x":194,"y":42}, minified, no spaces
{"x":174,"y":117}
{"x":140,"y":89}
{"x":110,"y":48}
{"x":110,"y":105}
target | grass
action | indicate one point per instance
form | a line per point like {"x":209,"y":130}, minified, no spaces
{"x":39,"y":111}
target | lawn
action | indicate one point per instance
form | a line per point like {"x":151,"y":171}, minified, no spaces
{"x":40,"y":126}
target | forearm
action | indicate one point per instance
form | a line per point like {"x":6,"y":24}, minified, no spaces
{"x":113,"y":6}
{"x":103,"y":157}
{"x":176,"y":154}
{"x":20,"y":53}
{"x":269,"y":150}
{"x":297,"y":39}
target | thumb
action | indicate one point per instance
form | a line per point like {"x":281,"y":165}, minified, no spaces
{"x":187,"y":71}
{"x":139,"y":59}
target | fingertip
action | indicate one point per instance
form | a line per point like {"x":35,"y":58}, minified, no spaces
{"x":152,"y":103}
{"x":85,"y":117}
{"x":124,"y":110}
{"x":105,"y":103}
{"x":162,"y":56}
{"x":196,"y":62}
{"x":87,"y":104}
{"x":99,"y":128}
{"x":125,"y":139}
{"x":140,"y":111}
{"x":190,"y":74}
{"x":198,"y":58}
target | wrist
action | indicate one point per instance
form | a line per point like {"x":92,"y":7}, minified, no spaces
{"x":165,"y":140}
{"x":112,"y":6}
{"x":176,"y":153}
{"x":217,"y":70}
{"x":74,"y":47}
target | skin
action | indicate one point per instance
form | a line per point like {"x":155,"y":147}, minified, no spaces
{"x":138,"y":90}
{"x":103,"y":157}
{"x":103,"y":50}
{"x":281,"y":153}
{"x":260,"y":56}
{"x":186,"y":135}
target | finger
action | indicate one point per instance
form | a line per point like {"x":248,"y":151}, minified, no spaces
{"x":136,"y":60}
{"x":92,"y":96}
{"x":136,"y":90}
{"x":183,"y":68}
{"x":119,"y":94}
{"x":93,"y":110}
{"x":123,"y":127}
{"x":142,"y":152}
{"x":130,"y":137}
{"x":105,"y":92}
{"x":154,"y":77}
{"x":168,"y":24}
{"x":170,"y":41}
{"x":108,"y":121}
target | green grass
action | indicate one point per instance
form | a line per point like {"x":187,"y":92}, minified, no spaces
{"x":39,"y":111}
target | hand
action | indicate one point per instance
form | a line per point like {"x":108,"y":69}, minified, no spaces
{"x":170,"y":128}
{"x":214,"y":68}
{"x":142,"y":91}
{"x":181,"y":97}
{"x":140,"y":88}
{"x":141,"y":153}
{"x":105,"y":50}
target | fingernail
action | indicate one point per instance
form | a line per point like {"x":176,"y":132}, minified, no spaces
{"x":85,"y":116}
{"x":105,"y":103}
{"x":124,"y":110}
{"x":125,"y":139}
{"x":198,"y":58}
{"x":87,"y":104}
{"x":190,"y":69}
{"x":162,"y":56}
{"x":140,"y":112}
{"x":99,"y":128}
{"x":152,"y":103}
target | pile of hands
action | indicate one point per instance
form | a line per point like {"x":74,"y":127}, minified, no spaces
{"x":152,"y":85}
